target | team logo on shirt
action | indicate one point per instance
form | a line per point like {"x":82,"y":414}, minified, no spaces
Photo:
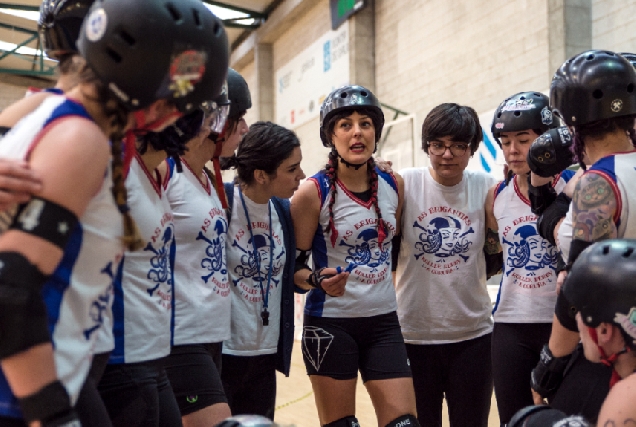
{"x":254,"y":272}
{"x":529,"y":250}
{"x":160,"y":271}
{"x":367,"y":250}
{"x":214,"y":261}
{"x":102,"y":302}
{"x":443,"y":238}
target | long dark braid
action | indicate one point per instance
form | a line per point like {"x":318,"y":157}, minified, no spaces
{"x":331,"y":169}
{"x":118,"y":118}
{"x":372,"y":174}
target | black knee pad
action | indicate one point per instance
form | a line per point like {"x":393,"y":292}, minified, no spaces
{"x":51,"y":406}
{"x":565,"y":312}
{"x":407,"y":420}
{"x":348,"y":421}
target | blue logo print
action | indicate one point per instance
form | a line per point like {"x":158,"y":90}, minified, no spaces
{"x":101,"y":304}
{"x":249,"y":267}
{"x":214,"y":252}
{"x":369,"y":252}
{"x":326,"y":56}
{"x":443,"y":238}
{"x":530,"y":251}
{"x":160,"y":263}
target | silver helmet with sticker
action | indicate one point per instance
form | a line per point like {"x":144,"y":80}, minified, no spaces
{"x":524,"y":110}
{"x":351,"y":97}
{"x":178,"y":51}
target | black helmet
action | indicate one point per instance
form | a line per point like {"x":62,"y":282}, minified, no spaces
{"x":239,"y":94}
{"x":247,"y":421}
{"x":350,"y":97}
{"x":525,"y":110}
{"x":592,"y":86}
{"x":59,"y":25}
{"x":631,"y":57}
{"x":602,"y":286}
{"x":178,"y":51}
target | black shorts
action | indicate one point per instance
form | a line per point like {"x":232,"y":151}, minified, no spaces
{"x":339,"y":347}
{"x":194,"y":371}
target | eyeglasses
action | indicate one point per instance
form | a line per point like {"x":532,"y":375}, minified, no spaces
{"x":438,"y":148}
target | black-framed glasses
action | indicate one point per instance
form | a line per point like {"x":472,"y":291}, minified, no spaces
{"x":439,"y":148}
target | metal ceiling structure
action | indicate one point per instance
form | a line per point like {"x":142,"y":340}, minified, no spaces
{"x":21,"y":50}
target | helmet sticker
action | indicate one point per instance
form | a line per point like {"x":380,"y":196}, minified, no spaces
{"x":617,"y":105}
{"x":186,"y":70}
{"x":564,"y":133}
{"x":518,"y":105}
{"x":546,"y":116}
{"x":628,"y":322}
{"x":499,"y":125}
{"x":96,"y":25}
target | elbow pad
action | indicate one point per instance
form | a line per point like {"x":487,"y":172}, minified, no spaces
{"x":23,"y":317}
{"x":551,"y":153}
{"x":47,"y":220}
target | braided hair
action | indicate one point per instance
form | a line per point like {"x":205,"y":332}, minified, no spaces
{"x":118,"y":119}
{"x":599,"y":129}
{"x":331,"y":171}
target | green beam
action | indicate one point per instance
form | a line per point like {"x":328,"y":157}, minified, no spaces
{"x":17,"y":28}
{"x":14,"y":51}
{"x":32,"y":73}
{"x":19,"y":7}
{"x":251,"y":13}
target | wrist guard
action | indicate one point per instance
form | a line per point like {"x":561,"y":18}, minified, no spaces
{"x":551,"y":153}
{"x":316,"y":277}
{"x":551,"y":216}
{"x":546,"y":377}
{"x":51,"y":406}
{"x":540,"y":197}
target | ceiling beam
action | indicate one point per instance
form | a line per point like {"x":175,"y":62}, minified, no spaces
{"x":20,"y":7}
{"x":252,"y":13}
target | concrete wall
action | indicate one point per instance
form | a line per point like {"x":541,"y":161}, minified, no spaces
{"x":613,"y":24}
{"x":13,"y":87}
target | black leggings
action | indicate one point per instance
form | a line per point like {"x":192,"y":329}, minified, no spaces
{"x":515,"y":352}
{"x":90,"y":407}
{"x":459,"y":371}
{"x":139,"y":395}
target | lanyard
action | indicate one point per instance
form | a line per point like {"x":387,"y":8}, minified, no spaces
{"x":257,"y":260}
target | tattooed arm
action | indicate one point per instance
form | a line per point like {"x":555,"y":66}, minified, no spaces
{"x":492,"y":247}
{"x":593,"y":209}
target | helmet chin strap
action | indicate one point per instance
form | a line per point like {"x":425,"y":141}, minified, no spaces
{"x":608,"y":360}
{"x":355,"y":166}
{"x":216,"y":164}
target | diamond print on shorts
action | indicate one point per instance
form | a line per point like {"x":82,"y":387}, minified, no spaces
{"x":316,"y":342}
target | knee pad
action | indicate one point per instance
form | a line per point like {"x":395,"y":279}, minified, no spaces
{"x":407,"y":420}
{"x":23,"y":317}
{"x":565,"y":312}
{"x":349,"y":421}
{"x":51,"y":406}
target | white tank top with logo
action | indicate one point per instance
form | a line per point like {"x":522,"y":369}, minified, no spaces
{"x":254,"y":264}
{"x":202,"y":294}
{"x":143,"y":303}
{"x":369,"y":290}
{"x":441,"y":271}
{"x":527,"y":292}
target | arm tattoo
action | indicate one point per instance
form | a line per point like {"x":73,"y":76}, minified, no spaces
{"x":491,"y":245}
{"x":593,"y":208}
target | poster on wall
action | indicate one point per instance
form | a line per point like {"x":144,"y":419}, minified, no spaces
{"x":304,"y":82}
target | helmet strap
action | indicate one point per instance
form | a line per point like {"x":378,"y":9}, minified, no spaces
{"x":348,"y":164}
{"x":606,"y":360}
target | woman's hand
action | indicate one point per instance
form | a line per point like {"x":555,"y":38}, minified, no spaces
{"x":17,"y":183}
{"x":384,"y":165}
{"x":560,"y":279}
{"x":334,"y":286}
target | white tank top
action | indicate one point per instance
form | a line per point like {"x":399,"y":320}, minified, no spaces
{"x":441,"y":272}
{"x":527,"y":293}
{"x":249,"y":282}
{"x":143,"y":301}
{"x":77,"y":294}
{"x":202,"y":294}
{"x":369,"y":290}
